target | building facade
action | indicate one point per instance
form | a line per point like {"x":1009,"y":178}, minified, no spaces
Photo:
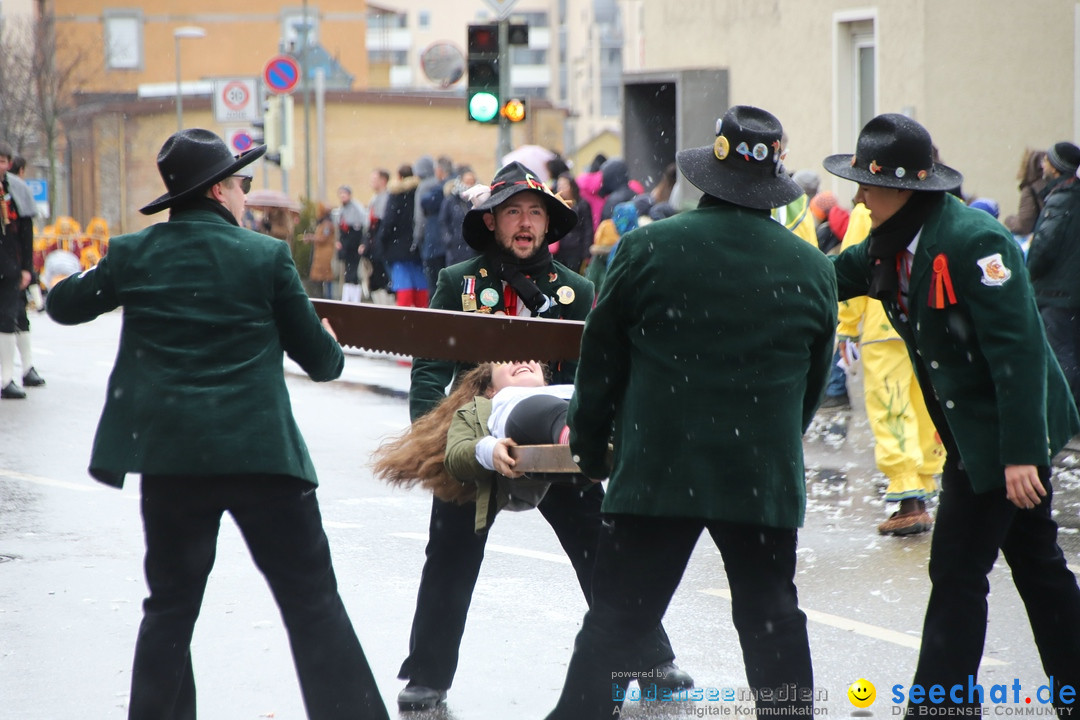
{"x":145,"y":70}
{"x":988,"y":78}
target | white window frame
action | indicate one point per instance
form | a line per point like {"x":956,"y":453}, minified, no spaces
{"x":123,"y":35}
{"x":853,"y":31}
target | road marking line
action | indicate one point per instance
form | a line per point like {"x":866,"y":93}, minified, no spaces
{"x":836,"y":621}
{"x":871,"y":631}
{"x":505,"y":549}
{"x":39,"y":480}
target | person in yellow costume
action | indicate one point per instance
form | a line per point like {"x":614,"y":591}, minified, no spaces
{"x":907,"y":447}
{"x":797,"y":218}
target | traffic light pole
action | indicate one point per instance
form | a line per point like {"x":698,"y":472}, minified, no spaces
{"x":502,"y":147}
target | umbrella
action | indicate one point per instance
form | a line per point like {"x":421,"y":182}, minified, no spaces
{"x":533,"y":157}
{"x":263,"y":199}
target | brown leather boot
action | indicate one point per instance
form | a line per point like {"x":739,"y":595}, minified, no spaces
{"x":910,"y":519}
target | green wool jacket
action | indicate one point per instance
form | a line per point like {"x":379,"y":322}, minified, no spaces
{"x":572,"y":298}
{"x":982,"y":361}
{"x":198,"y":385}
{"x":469,"y":426}
{"x":705,"y":358}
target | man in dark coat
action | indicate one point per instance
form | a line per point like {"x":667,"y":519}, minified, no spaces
{"x":516,"y":275}
{"x":197,"y":403}
{"x":953,"y":284}
{"x":16,"y":268}
{"x":615,"y":185}
{"x":1053,"y":261}
{"x":350,"y":241}
{"x":707,"y":405}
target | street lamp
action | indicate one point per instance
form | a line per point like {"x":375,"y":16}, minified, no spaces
{"x":188,"y":31}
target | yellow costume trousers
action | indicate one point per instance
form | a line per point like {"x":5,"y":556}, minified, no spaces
{"x":907,"y":448}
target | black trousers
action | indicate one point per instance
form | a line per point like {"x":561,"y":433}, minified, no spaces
{"x":281,"y":524}
{"x":454,"y":554}
{"x":969,"y":531}
{"x":639,"y":564}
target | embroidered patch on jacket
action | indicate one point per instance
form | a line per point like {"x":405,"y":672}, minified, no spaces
{"x":994,"y":271}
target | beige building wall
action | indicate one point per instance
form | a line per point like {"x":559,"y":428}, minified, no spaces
{"x":16,"y":8}
{"x":987,"y":77}
{"x":114,"y":147}
{"x":241,"y":37}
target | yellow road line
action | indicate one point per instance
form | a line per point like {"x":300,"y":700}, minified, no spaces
{"x":39,"y":480}
{"x":865,"y":629}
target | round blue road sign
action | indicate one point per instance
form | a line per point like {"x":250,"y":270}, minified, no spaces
{"x":282,"y":74}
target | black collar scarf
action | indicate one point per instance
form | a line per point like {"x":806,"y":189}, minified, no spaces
{"x":204,"y":203}
{"x":519,"y":273}
{"x":892,"y":237}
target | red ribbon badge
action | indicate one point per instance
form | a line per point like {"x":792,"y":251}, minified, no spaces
{"x":941,"y":284}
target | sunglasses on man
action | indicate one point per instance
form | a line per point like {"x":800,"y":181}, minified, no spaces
{"x":245,"y":183}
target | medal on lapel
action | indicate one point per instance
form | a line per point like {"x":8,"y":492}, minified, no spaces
{"x":468,"y":293}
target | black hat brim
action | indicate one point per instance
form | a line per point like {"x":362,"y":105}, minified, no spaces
{"x":561,"y":218}
{"x":212,"y":175}
{"x":712,"y":176}
{"x":943,"y":177}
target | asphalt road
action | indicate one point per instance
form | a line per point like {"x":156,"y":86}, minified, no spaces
{"x":71,"y":586}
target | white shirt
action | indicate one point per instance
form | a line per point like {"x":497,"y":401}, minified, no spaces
{"x":502,"y":404}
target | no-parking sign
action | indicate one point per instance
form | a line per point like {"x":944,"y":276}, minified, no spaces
{"x":236,"y":100}
{"x":240,"y":139}
{"x":282,"y":74}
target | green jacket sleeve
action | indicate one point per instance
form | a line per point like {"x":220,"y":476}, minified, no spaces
{"x":303,"y":337}
{"x":603,"y":345}
{"x":852,"y":271}
{"x":430,"y":377}
{"x":81,"y":298}
{"x":466,"y":430}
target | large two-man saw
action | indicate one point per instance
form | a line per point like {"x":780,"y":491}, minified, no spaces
{"x":451,"y":335}
{"x":463,"y":337}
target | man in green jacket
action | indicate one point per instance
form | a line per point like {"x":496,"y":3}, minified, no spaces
{"x":516,"y":275}
{"x":705,"y":359}
{"x":197,"y":403}
{"x":952,"y":281}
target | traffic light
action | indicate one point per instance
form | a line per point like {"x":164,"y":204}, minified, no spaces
{"x":482,"y":96}
{"x":268,"y":130}
{"x":513,"y":110}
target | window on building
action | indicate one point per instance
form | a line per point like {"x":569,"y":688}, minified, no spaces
{"x":520,"y":55}
{"x":856,"y":88}
{"x":386,"y":21}
{"x":390,"y":57}
{"x":533,"y":92}
{"x":532,"y":19}
{"x":423,"y":19}
{"x":609,"y":101}
{"x":123,"y":39}
{"x":298,"y":28}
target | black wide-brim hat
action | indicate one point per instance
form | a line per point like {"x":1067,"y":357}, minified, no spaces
{"x":509,"y":181}
{"x":745,"y":165}
{"x":894,"y":151}
{"x":191,"y":161}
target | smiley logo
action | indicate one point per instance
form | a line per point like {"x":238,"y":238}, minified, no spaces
{"x":862,"y":693}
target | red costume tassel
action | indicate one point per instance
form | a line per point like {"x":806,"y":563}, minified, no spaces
{"x":941,"y":284}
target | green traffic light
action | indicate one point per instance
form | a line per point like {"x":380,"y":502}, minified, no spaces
{"x":483,"y":107}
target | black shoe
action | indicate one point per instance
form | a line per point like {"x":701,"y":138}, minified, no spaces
{"x":669,"y":675}
{"x":418,"y":697}
{"x":12,"y":391}
{"x":837,"y":402}
{"x":32,"y":379}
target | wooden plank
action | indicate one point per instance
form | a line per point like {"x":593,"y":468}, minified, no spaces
{"x":543,"y":459}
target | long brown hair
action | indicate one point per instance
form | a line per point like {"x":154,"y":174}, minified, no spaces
{"x":416,"y":456}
